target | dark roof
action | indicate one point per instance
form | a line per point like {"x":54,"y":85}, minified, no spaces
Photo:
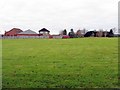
{"x":89,"y":33}
{"x":44,"y":30}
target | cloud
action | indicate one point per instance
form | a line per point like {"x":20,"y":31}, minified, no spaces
{"x":58,"y":14}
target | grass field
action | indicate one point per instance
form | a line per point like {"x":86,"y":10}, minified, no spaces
{"x":60,"y":63}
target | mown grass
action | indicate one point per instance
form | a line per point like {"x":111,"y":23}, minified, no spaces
{"x":60,"y":63}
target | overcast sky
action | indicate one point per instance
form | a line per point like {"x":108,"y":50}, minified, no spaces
{"x":57,"y":15}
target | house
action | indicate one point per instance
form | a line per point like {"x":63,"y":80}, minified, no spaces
{"x":13,"y":32}
{"x":79,"y":33}
{"x":89,"y":34}
{"x":96,"y":34}
{"x":27,"y":33}
{"x":100,"y":33}
{"x":44,"y":32}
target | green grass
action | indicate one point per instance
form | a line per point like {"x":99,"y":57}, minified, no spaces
{"x":60,"y":63}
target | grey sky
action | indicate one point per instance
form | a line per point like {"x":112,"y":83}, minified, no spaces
{"x":57,"y":15}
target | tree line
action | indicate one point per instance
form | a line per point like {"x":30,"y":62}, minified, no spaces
{"x":85,"y":33}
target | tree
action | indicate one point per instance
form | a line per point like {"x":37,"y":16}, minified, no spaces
{"x":111,"y":31}
{"x":71,"y":34}
{"x":78,"y":33}
{"x":64,"y":32}
{"x":110,"y":34}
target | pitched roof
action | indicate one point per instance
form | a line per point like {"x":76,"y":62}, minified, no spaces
{"x":28,"y":32}
{"x":44,"y":30}
{"x":15,"y":30}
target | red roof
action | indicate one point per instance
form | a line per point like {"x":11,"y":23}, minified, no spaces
{"x":13,"y":32}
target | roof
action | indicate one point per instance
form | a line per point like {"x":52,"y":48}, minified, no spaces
{"x":16,"y":30}
{"x":28,"y":32}
{"x":44,"y":30}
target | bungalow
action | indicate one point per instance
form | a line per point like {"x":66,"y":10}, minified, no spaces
{"x":27,"y":33}
{"x":13,"y":32}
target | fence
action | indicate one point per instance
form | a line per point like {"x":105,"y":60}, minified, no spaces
{"x":57,"y":37}
{"x":27,"y":37}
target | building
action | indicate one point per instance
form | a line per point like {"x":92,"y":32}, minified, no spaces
{"x":96,"y":34}
{"x":27,"y":33}
{"x":44,"y":32}
{"x":80,"y":33}
{"x":13,"y":32}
